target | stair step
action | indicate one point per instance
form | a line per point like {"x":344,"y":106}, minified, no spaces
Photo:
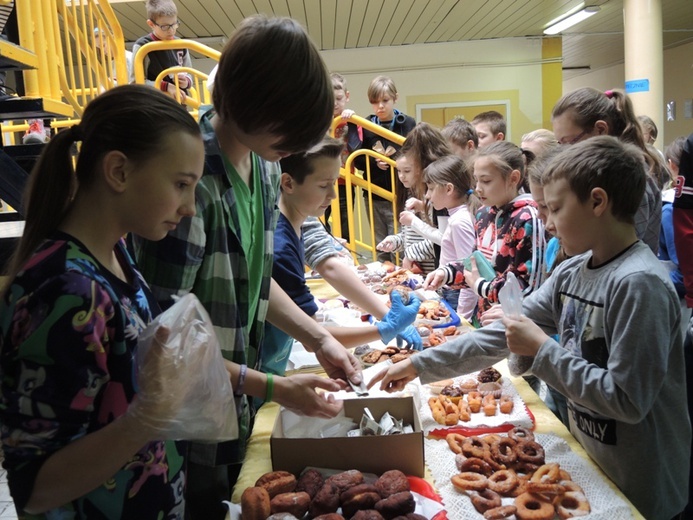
{"x":14,"y":57}
{"x":33,"y":108}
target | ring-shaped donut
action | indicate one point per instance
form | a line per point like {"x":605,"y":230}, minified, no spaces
{"x":485,"y":500}
{"x":455,"y":441}
{"x":530,"y":451}
{"x":572,"y":504}
{"x":521,"y":434}
{"x":498,"y":513}
{"x":469,"y":481}
{"x":504,"y":451}
{"x":476,"y":465}
{"x":547,"y":473}
{"x":475,"y":447}
{"x":503,"y":481}
{"x":530,"y":507}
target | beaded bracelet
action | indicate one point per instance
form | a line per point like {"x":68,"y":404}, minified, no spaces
{"x":238,"y":392}
{"x":270,"y":388}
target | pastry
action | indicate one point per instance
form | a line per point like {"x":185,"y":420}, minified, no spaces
{"x":255,"y":504}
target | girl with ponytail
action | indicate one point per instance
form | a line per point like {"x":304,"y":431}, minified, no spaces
{"x":80,"y":436}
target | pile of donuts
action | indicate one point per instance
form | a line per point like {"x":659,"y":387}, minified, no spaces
{"x":396,"y":354}
{"x":492,"y":467}
{"x":279,"y":495}
{"x":432,"y":337}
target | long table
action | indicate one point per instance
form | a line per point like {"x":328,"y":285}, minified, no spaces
{"x":258,"y":455}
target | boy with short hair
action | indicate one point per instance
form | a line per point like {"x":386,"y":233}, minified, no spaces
{"x":351,"y":135}
{"x":382,"y":94}
{"x":224,"y":253}
{"x":620,"y":362}
{"x":307,"y":189}
{"x":162,"y":19}
{"x":490,"y":127}
{"x":461,"y":136}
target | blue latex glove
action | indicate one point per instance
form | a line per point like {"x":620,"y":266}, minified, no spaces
{"x":399,"y":317}
{"x":412,"y":337}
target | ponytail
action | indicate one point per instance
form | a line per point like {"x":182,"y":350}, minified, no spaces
{"x":47,"y":197}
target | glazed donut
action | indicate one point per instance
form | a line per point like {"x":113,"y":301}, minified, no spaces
{"x":521,"y":434}
{"x":530,"y":451}
{"x":455,"y":441}
{"x":485,"y":500}
{"x":469,"y":481}
{"x":476,"y":465}
{"x":526,"y":468}
{"x":498,"y":513}
{"x":475,"y":447}
{"x":548,"y":473}
{"x":522,"y":481}
{"x":503,"y":481}
{"x":504,"y":450}
{"x":572,"y":504}
{"x":530,"y":507}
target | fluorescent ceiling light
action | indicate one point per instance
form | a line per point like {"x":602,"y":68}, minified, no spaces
{"x":572,"y":20}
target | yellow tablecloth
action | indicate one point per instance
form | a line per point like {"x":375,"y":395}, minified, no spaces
{"x":258,"y":455}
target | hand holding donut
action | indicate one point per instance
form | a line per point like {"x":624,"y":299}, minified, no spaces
{"x":395,"y":377}
{"x":524,"y":337}
{"x":434,"y":280}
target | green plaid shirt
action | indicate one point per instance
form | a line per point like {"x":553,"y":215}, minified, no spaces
{"x":203,"y":255}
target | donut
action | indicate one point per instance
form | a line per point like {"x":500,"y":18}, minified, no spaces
{"x":545,"y":488}
{"x":294,"y":503}
{"x":531,"y":507}
{"x":326,"y":500}
{"x":569,"y":485}
{"x":367,"y":514}
{"x":504,"y":450}
{"x":503,"y":481}
{"x":498,"y":513}
{"x":276,"y":482}
{"x":455,"y":441}
{"x":476,"y":465}
{"x":485,"y":500}
{"x":572,"y":504}
{"x":464,"y":411}
{"x":310,"y":481}
{"x":361,"y":497}
{"x":396,"y":505}
{"x":475,"y":447}
{"x":548,"y":473}
{"x":469,"y":481}
{"x":391,"y":482}
{"x":521,"y":434}
{"x":530,"y":451}
{"x":506,"y":404}
{"x":346,"y":479}
{"x":459,"y":459}
{"x":255,"y":503}
{"x":526,"y":468}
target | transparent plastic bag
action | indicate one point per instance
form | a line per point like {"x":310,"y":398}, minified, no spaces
{"x":206,"y":410}
{"x":510,"y":297}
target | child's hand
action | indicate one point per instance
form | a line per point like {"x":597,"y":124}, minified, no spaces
{"x":347,"y":113}
{"x":176,"y":93}
{"x":387,"y":245}
{"x":470,"y":277}
{"x":395,"y":378}
{"x":493,"y":314}
{"x":183,"y":80}
{"x":406,"y":218}
{"x":382,"y":164}
{"x":414,"y":204}
{"x":434,"y":280}
{"x":524,"y":337}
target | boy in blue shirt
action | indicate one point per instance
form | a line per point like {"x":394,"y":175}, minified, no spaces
{"x":308,"y":187}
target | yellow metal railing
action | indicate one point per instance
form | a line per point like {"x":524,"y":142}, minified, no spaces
{"x":199,"y":94}
{"x":358,"y":238}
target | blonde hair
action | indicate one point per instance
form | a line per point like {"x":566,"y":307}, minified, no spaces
{"x":543,"y":137}
{"x":338,"y":81}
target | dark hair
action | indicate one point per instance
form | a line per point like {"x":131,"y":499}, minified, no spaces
{"x":495,"y":120}
{"x":424,"y":144}
{"x":450,"y":169}
{"x":271,"y":78}
{"x":602,"y":162}
{"x":459,"y":131}
{"x":674,"y":151}
{"x":300,"y":165}
{"x":133,"y":119}
{"x":506,"y":157}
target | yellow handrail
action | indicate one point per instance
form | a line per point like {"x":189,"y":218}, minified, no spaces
{"x":197,"y":93}
{"x":138,"y":58}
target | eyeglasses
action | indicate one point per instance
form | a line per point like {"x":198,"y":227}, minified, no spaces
{"x":576,"y":138}
{"x":168,"y":26}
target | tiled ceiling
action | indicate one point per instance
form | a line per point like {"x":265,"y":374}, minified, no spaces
{"x":345,"y":24}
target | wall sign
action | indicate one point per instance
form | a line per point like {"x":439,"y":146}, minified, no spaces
{"x":637,"y":85}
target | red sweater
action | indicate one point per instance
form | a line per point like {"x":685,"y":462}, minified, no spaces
{"x":683,"y":218}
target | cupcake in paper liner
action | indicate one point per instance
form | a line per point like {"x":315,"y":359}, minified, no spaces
{"x":494,"y":389}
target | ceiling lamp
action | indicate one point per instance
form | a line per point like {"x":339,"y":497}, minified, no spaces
{"x":571,"y":20}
